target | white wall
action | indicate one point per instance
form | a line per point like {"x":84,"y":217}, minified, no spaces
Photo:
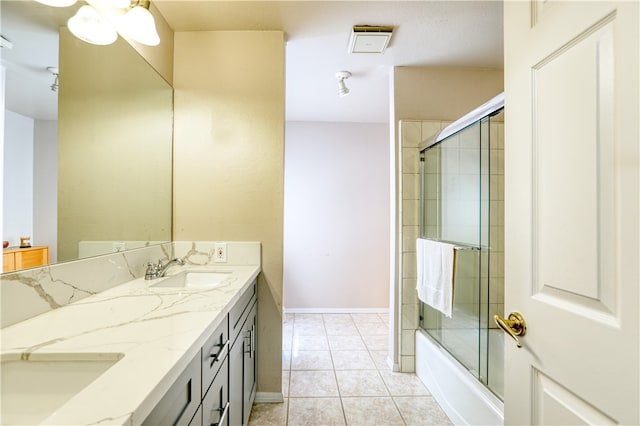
{"x":336,"y":239}
{"x":45,"y":187}
{"x":18,"y":177}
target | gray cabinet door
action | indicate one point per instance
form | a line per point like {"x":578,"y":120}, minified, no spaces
{"x":179,"y":405}
{"x":250,"y":362}
{"x":235,"y":382}
{"x":215,"y":404}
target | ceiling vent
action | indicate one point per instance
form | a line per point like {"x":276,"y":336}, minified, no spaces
{"x":369,"y":38}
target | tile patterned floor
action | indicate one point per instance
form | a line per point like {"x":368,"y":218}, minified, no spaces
{"x":335,"y":372}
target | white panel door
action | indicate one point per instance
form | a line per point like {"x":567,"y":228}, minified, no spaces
{"x":572,"y":217}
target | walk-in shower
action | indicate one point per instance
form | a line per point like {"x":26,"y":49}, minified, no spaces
{"x":462,"y":202}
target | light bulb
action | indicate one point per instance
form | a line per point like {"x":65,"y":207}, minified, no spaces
{"x":342,"y":88}
{"x":119,"y":4}
{"x":139,"y":25}
{"x":89,"y":26}
{"x":57,"y":3}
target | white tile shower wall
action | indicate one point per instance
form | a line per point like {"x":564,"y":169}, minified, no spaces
{"x":31,"y":292}
{"x":412,"y":133}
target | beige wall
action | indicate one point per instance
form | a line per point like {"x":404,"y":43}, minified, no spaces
{"x":441,"y":95}
{"x":114,"y":151}
{"x":229,"y":159}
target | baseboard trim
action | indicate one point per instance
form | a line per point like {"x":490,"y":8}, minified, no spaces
{"x":269,"y":397}
{"x":335,"y":310}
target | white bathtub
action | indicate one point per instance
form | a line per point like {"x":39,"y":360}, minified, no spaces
{"x":465,"y":400}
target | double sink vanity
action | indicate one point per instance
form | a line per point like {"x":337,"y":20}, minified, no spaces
{"x":174,"y":350}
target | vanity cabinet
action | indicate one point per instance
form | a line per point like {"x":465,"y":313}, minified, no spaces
{"x":215,"y":377}
{"x":218,"y":386}
{"x":14,"y":259}
{"x":181,"y":402}
{"x":242,"y":357}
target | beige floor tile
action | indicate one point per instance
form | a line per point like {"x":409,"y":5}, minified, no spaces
{"x":403,"y":384}
{"x":346,"y":343}
{"x":341,"y":329}
{"x":309,"y":329}
{"x":337,"y":319}
{"x":312,"y":384}
{"x":311,"y":360}
{"x":365,"y":318}
{"x":315,"y":411}
{"x":360,"y":383}
{"x":309,"y":318}
{"x":371,"y":411}
{"x":421,"y":410}
{"x":310,"y":343}
{"x":285,"y":383}
{"x":380,"y":358}
{"x":377,"y":329}
{"x":352,"y":360}
{"x":286,"y":360}
{"x":287,"y":339}
{"x":269,"y":414}
{"x":376,"y":343}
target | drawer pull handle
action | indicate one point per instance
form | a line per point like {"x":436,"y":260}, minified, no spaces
{"x":224,"y":410}
{"x":251,"y":337}
{"x":221,"y":353}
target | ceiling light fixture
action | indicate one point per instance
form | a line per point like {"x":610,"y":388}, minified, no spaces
{"x":139,"y":25}
{"x":97,"y":25}
{"x":57,"y":3}
{"x":343,"y":90}
{"x":54,"y":71}
{"x":88,"y":25}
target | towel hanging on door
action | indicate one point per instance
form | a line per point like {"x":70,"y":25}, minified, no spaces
{"x":435,"y":266}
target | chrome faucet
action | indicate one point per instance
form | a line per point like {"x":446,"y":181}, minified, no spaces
{"x":158,"y":270}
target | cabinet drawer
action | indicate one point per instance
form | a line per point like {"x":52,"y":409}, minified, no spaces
{"x":214,"y":352}
{"x":8,"y":262}
{"x":237,"y":313}
{"x":215,"y":405}
{"x":29,"y":258}
{"x":180,"y":403}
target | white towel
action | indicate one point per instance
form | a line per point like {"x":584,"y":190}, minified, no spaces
{"x":435,"y":263}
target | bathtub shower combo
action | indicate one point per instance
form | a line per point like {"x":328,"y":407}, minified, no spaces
{"x":462,"y":202}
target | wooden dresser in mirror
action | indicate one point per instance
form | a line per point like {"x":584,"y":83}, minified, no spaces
{"x":15,"y":258}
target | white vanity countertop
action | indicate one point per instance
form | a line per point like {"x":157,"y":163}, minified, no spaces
{"x":156,"y":330}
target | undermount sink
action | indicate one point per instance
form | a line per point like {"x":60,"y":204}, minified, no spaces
{"x":195,"y":279}
{"x":34,"y":389}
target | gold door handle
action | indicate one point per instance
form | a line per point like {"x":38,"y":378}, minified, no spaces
{"x":514,"y":326}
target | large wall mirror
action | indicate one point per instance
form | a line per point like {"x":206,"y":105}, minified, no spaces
{"x":87,"y":143}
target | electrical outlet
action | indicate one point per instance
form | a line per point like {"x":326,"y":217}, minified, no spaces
{"x":220,"y":252}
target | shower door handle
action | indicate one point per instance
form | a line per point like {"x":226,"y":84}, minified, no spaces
{"x":514,"y":326}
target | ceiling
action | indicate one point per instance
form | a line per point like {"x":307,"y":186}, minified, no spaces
{"x":32,"y":28}
{"x":426,"y":33}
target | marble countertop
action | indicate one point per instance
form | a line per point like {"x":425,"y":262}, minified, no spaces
{"x":156,"y":331}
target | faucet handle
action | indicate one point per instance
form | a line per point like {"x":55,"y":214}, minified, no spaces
{"x":153,"y":270}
